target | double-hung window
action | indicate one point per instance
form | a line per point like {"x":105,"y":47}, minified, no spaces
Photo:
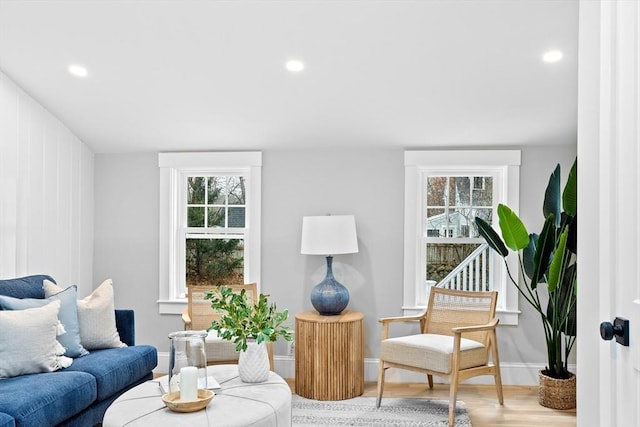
{"x":444,"y":192}
{"x":209,"y":222}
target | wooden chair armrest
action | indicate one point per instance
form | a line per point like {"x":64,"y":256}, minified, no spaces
{"x":386,"y":321}
{"x":476,"y":328}
{"x":186,"y":319}
{"x":400,"y":319}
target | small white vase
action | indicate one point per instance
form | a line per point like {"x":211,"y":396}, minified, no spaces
{"x":253,"y":365}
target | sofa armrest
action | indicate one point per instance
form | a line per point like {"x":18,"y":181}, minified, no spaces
{"x":125,"y":323}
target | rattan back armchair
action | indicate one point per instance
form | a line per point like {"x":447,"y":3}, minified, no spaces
{"x":457,"y":341}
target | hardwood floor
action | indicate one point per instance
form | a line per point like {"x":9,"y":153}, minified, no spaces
{"x":521,"y":408}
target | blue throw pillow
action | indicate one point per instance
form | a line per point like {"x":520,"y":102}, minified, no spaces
{"x":68,"y":316}
{"x":24,"y":287}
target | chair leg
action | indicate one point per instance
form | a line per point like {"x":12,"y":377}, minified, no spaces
{"x":381,"y":371}
{"x":453,"y":392}
{"x":430,"y":380}
{"x":270,"y":352}
{"x":453,"y":383}
{"x":499,"y":387}
{"x":496,"y":362}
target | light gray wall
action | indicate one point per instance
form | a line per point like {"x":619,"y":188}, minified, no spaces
{"x":366,"y":183}
{"x":126,"y":240}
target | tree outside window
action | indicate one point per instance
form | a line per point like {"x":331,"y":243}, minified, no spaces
{"x":215,"y":208}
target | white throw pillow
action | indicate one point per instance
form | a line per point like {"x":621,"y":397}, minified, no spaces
{"x":29,"y":343}
{"x":96,"y":316}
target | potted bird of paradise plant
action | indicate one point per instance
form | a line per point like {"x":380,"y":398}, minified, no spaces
{"x":549,"y":279}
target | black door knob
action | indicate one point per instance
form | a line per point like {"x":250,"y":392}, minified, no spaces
{"x":607,"y":330}
{"x":619,"y":329}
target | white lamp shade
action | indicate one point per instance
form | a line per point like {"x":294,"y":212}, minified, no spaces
{"x":329,"y":235}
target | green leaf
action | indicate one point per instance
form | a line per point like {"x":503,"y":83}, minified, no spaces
{"x":528,"y":255}
{"x":514,"y":232}
{"x":551,"y":205}
{"x":491,"y":237}
{"x":562,"y":301}
{"x":570,"y":193}
{"x":556,"y":269}
{"x":572,"y":239}
{"x":544,"y":249}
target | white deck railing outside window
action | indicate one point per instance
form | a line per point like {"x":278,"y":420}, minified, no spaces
{"x":472,"y":273}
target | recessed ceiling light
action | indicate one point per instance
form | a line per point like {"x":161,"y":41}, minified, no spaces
{"x":552,"y":56}
{"x":78,"y":70}
{"x":295,"y":66}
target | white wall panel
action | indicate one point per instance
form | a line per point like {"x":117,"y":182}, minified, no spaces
{"x":35,"y":192}
{"x":46,"y":193}
{"x":22,"y":199}
{"x":86,"y":228}
{"x":8,"y":133}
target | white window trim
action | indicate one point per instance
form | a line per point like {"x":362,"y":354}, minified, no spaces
{"x":416,"y":164}
{"x":172,"y":167}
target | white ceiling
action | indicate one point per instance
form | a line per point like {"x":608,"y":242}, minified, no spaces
{"x":209,"y":75}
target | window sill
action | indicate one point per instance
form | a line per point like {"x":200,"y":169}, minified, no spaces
{"x":507,"y":317}
{"x":175,"y":306}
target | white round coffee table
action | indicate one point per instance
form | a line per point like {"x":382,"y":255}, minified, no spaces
{"x":235,"y":404}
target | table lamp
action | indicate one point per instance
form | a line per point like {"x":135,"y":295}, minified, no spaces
{"x":329,"y":235}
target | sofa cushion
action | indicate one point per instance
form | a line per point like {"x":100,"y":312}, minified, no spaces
{"x":29,"y":342}
{"x":46,"y":399}
{"x":96,"y":315}
{"x":68,"y":316}
{"x":6,"y":420}
{"x":24,"y":287}
{"x":432,"y":351}
{"x":116,"y":368}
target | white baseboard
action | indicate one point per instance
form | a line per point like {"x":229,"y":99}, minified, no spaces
{"x":512,"y":373}
{"x":163,"y":363}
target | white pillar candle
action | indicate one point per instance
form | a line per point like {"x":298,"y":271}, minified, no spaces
{"x":188,"y":383}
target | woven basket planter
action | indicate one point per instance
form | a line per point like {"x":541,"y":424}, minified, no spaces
{"x":557,"y":393}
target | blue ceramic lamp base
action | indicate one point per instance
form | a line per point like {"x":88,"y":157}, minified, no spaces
{"x":329,"y":297}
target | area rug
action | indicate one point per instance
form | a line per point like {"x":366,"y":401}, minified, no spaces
{"x":362,"y":411}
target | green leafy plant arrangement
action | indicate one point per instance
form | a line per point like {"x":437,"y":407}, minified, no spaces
{"x":546,"y":258}
{"x":242,"y":321}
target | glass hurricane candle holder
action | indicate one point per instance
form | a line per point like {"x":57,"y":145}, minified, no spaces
{"x":187,"y":363}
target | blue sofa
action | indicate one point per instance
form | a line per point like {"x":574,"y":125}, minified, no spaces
{"x":80,"y":394}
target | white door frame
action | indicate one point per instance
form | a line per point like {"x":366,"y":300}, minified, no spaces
{"x":608,"y":206}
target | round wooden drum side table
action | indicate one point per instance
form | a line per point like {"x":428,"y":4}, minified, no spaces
{"x":329,"y":355}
